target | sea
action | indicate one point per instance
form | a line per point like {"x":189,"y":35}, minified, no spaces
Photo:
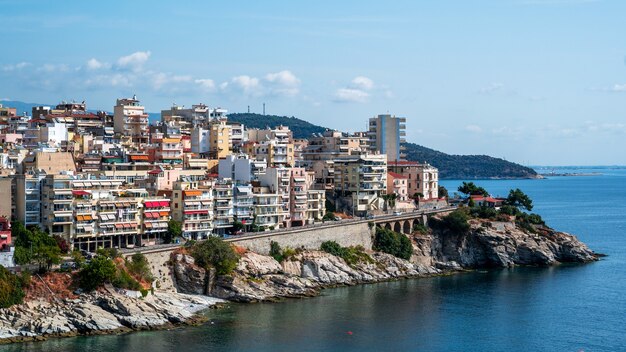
{"x":563,"y":308}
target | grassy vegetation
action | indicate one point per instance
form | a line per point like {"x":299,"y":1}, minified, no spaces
{"x":12,"y":287}
{"x":281,"y":254}
{"x":352,"y":255}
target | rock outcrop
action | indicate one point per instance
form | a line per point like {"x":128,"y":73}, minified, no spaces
{"x":502,"y":244}
{"x":98,"y":313}
{"x":487,"y":244}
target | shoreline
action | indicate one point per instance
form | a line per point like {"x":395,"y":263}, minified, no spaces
{"x":101,"y":314}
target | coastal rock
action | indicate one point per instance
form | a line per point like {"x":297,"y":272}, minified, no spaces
{"x":98,"y":313}
{"x":502,"y":244}
{"x":189,"y":277}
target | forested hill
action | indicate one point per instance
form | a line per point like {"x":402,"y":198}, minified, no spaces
{"x":300,"y":128}
{"x":450,"y":166}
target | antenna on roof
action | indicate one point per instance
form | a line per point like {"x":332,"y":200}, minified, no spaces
{"x":263,"y":108}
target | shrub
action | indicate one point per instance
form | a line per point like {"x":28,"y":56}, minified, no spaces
{"x":456,"y":222}
{"x":138,"y":265}
{"x":109,"y":252}
{"x":62,"y":243}
{"x":333,"y":248}
{"x":352,"y":255}
{"x":393,"y":243}
{"x":276,"y":251}
{"x":123,"y":280}
{"x":417,"y":227}
{"x":216,"y":253}
{"x":100,"y":270}
{"x":483,"y":212}
{"x":11,"y":288}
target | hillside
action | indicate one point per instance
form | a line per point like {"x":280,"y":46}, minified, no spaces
{"x":450,"y":166}
{"x":300,"y":128}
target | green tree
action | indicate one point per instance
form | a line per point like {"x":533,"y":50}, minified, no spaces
{"x":216,"y":253}
{"x":393,"y":243}
{"x":333,"y":248}
{"x":390,"y":200}
{"x":46,"y":256}
{"x":174,"y":229}
{"x":78,"y":258}
{"x":456,"y":222}
{"x":99,"y":271}
{"x":519,"y":199}
{"x":443,"y":192}
{"x":469,"y":188}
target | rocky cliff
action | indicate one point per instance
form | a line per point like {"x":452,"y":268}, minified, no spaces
{"x":98,"y":313}
{"x":487,"y":244}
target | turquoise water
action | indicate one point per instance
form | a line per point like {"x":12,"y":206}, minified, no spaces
{"x":566,"y":308}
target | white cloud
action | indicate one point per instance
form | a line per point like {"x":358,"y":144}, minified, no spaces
{"x":282,"y":83}
{"x":134,"y":61}
{"x":248,"y":85}
{"x":16,"y":67}
{"x":350,"y":95}
{"x":473,"y":129}
{"x":206,"y":83}
{"x":284,"y":77}
{"x":168,"y":81}
{"x":94,"y":64}
{"x":618,"y":88}
{"x":362,"y":83}
{"x":491,"y":88}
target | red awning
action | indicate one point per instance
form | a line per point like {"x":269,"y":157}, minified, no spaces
{"x":119,"y":226}
{"x":152,"y":204}
{"x":80,"y":193}
{"x":164,"y":203}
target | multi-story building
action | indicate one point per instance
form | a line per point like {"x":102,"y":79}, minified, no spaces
{"x":28,"y":198}
{"x":193,"y":204}
{"x":267,"y":209}
{"x":243,"y":201}
{"x":94,"y":213}
{"x":169,"y":151}
{"x":397,"y":184}
{"x":386,"y":135}
{"x":223,"y":206}
{"x":275,"y":146}
{"x":186,"y":118}
{"x":422,"y":179}
{"x":130,"y":120}
{"x":360,"y":182}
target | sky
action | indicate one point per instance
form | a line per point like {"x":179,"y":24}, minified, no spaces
{"x":538,"y":82}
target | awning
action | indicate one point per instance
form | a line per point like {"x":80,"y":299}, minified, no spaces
{"x":87,"y":217}
{"x":139,"y":158}
{"x":81,"y":193}
{"x":206,"y":204}
{"x":119,"y":226}
{"x":192,"y":193}
{"x":80,"y":218}
{"x":127,"y":204}
{"x":127,"y":226}
{"x":79,"y":184}
{"x":110,"y":216}
{"x":151,"y":204}
{"x":104,"y":217}
{"x":194,"y":212}
{"x":164,"y":213}
{"x":164,"y":203}
{"x":148,"y":225}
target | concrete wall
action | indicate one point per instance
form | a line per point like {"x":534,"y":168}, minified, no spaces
{"x":358,"y":234}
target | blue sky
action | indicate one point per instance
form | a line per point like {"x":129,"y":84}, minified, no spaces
{"x":532,"y":81}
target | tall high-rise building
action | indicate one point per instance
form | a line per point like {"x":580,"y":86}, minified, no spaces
{"x":130,"y":120}
{"x":386,"y":134}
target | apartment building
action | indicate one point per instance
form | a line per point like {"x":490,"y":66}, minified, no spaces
{"x":193,"y":204}
{"x":275,"y":146}
{"x":130,"y":121}
{"x":386,"y":134}
{"x":360,"y":182}
{"x":421,"y":178}
{"x":267,"y":208}
{"x":186,"y":118}
{"x":223,"y":206}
